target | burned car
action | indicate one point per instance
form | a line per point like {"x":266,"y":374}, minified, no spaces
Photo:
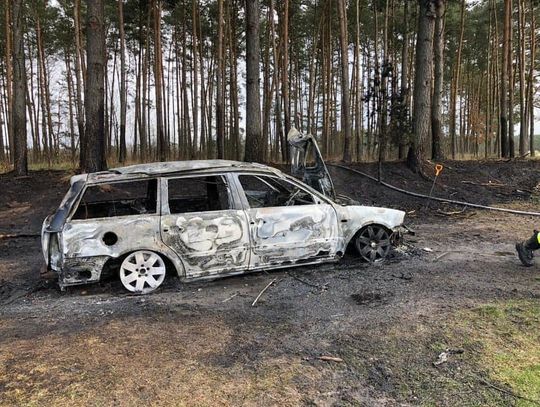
{"x":203,"y":219}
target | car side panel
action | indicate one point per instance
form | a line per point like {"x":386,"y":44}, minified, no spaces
{"x":291,"y":234}
{"x":209,"y":243}
{"x":85,"y":247}
{"x":353,"y":218}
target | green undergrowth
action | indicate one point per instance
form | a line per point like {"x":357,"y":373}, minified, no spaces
{"x":509,"y":337}
{"x":494,"y":357}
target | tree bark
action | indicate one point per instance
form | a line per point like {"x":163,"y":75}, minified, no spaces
{"x":195,"y":94}
{"x":94,"y":97}
{"x":422,"y":83}
{"x":285,"y":77}
{"x":9,"y":76}
{"x":521,"y":67}
{"x":123,"y":85}
{"x":345,"y":92}
{"x":20,"y":151}
{"x":438,"y":70}
{"x":531,"y":77}
{"x":511,"y":82}
{"x":455,"y":84}
{"x":404,"y":88}
{"x":69,"y":80}
{"x":158,"y":81}
{"x":254,"y":149}
{"x":220,"y":110}
{"x":80,"y":74}
{"x":504,"y":78}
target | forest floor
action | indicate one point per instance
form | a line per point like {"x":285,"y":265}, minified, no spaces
{"x":457,"y":285}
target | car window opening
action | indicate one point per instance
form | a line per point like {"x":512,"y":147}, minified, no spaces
{"x":198,"y":194}
{"x":118,"y":199}
{"x":266,"y":192}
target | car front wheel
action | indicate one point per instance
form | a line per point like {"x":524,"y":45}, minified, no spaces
{"x":142,"y":271}
{"x":373,"y":243}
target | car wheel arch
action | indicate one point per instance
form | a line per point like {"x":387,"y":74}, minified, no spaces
{"x":173,"y":265}
{"x":350,"y":239}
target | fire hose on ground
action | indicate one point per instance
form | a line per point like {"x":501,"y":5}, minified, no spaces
{"x":423,"y":196}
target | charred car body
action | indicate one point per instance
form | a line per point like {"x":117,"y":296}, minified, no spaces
{"x":205,"y":219}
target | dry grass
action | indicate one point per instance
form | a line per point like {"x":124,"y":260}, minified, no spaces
{"x":133,"y":361}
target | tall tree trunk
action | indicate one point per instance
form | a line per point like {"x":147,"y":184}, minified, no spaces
{"x":69,"y":80}
{"x":9,"y":74}
{"x":254,"y":148}
{"x":521,"y":67}
{"x":123,"y":85}
{"x":268,"y":90}
{"x":2,"y":145}
{"x":158,"y":81}
{"x":220,"y":109}
{"x":20,"y":153}
{"x":42,"y":99}
{"x":511,"y":81}
{"x":404,"y":88}
{"x":94,"y":96}
{"x":345,"y":93}
{"x":455,"y":83}
{"x":80,"y":75}
{"x":144,"y":40}
{"x":185,"y":116}
{"x":531,"y":76}
{"x":285,"y":76}
{"x":438,"y":70}
{"x":234,"y":144}
{"x":45,"y":87}
{"x":422,"y":83}
{"x":195,"y":68}
{"x":504,"y":78}
{"x":359,"y":89}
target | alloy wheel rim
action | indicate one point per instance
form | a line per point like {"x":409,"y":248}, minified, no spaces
{"x":142,"y":272}
{"x":373,"y":243}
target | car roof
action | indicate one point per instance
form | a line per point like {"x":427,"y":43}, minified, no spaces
{"x":181,"y":166}
{"x":170,"y":167}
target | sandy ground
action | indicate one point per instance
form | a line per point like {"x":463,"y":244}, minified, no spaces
{"x":204,"y":344}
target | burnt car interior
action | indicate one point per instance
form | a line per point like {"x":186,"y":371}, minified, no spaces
{"x":118,"y":199}
{"x":198,"y":194}
{"x":265,"y":192}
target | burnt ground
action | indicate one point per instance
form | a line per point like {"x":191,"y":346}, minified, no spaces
{"x":204,"y":344}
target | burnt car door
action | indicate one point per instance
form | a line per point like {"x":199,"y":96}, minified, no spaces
{"x":307,"y":163}
{"x":202,"y":224}
{"x":288,"y":224}
{"x":111,"y":218}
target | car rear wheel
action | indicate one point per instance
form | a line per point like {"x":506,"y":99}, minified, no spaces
{"x":373,"y":243}
{"x":142,"y":271}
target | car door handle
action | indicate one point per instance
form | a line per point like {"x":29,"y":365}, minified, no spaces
{"x":174,"y":229}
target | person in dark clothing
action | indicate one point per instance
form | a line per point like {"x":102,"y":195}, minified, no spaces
{"x":526,"y":248}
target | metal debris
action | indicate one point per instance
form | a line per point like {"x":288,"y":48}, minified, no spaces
{"x":443,"y":356}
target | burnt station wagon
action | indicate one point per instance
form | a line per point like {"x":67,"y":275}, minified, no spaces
{"x":205,"y":219}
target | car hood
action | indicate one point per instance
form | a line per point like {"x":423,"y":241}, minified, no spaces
{"x":307,"y":163}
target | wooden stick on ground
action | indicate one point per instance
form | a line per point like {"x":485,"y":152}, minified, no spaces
{"x":330,"y":359}
{"x":263,"y":290}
